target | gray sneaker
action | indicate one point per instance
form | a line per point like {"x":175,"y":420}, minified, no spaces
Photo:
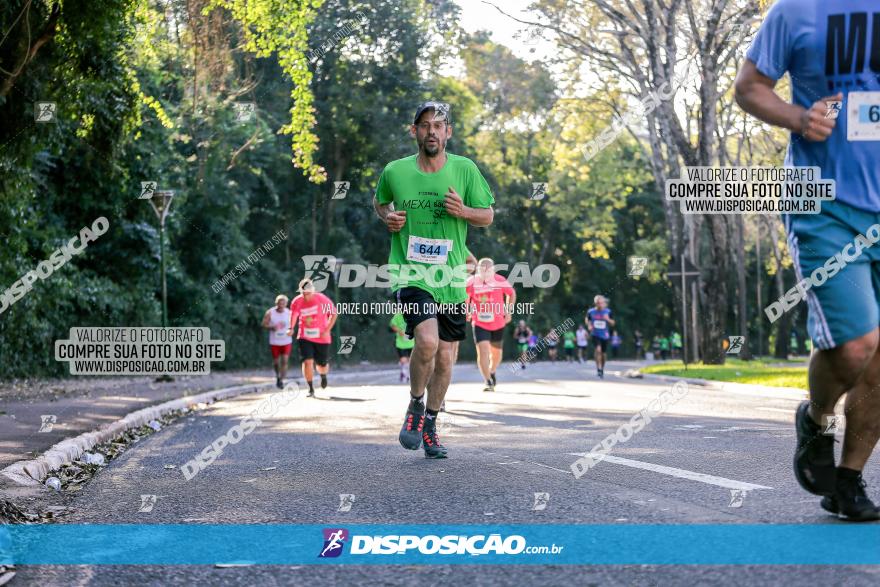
{"x":411,"y":432}
{"x":432,"y":446}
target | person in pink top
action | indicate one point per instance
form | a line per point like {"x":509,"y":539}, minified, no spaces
{"x":317,"y":315}
{"x":490,"y":296}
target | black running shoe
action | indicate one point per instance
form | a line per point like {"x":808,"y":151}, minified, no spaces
{"x":411,"y":431}
{"x":494,"y":380}
{"x":432,"y":446}
{"x":278,"y":383}
{"x":814,"y":457}
{"x":323,"y":381}
{"x":489,"y":386}
{"x":601,"y":373}
{"x":850,"y":502}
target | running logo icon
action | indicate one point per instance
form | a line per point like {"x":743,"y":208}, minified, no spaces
{"x":340,"y":190}
{"x":319,"y":268}
{"x":244,"y":111}
{"x":48,"y":422}
{"x":834,"y":424}
{"x":45,"y":111}
{"x":531,"y":37}
{"x":147,"y":190}
{"x":346,"y":345}
{"x":539,"y":190}
{"x":147,"y":502}
{"x":737,"y":497}
{"x":832,"y":109}
{"x":541,"y":501}
{"x":346,"y":500}
{"x":334,"y":540}
{"x":444,"y":422}
{"x":735,"y":344}
{"x":636,"y":266}
{"x":441,"y":111}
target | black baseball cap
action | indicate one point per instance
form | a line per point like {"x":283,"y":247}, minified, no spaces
{"x":441,"y":108}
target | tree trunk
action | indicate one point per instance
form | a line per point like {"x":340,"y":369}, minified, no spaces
{"x":739,"y":261}
{"x":340,"y":168}
{"x":315,"y":198}
{"x":783,"y":328}
{"x":25,"y":44}
{"x":713,"y":290}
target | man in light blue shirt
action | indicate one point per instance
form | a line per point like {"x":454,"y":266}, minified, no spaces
{"x":831,"y":51}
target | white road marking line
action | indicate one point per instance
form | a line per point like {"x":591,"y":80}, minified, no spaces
{"x":680,"y":473}
{"x":741,"y":428}
{"x":549,"y":467}
{"x":780,"y":410}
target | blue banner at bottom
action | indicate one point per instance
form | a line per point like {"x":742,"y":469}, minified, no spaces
{"x":173,"y":544}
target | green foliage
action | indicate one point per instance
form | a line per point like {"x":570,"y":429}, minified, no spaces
{"x":772,"y":373}
{"x":278,"y":28}
{"x":147,"y":91}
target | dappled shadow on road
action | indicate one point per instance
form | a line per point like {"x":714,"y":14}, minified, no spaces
{"x":294,"y":466}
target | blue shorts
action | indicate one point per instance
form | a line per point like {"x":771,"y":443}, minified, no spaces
{"x":847,"y":305}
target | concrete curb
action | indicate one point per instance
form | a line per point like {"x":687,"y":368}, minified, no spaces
{"x":32,"y":472}
{"x":741,"y":388}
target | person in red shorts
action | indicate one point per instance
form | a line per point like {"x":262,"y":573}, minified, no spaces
{"x":490,"y":296}
{"x":317,"y":315}
{"x":277,"y":321}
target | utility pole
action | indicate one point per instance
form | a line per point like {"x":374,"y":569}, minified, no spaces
{"x":161,"y":202}
{"x":758,"y":289}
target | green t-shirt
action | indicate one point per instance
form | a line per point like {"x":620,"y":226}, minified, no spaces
{"x":568,"y":340}
{"x":400,"y":339}
{"x":431,"y":238}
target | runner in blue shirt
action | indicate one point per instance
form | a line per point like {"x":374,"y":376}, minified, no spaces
{"x":831,"y":51}
{"x":599,"y":323}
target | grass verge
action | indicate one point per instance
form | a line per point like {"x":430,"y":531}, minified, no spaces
{"x":767,"y":371}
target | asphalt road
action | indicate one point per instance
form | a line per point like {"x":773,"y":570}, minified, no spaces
{"x":504,"y":448}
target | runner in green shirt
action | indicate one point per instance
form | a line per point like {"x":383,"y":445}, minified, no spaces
{"x":568,"y":339}
{"x":675,"y":340}
{"x":664,"y":347}
{"x":427,"y":201}
{"x":403,"y":344}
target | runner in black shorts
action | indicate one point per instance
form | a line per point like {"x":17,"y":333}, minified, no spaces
{"x":490,"y":297}
{"x":599,"y":323}
{"x":316,"y":314}
{"x":427,"y":201}
{"x":521,"y":334}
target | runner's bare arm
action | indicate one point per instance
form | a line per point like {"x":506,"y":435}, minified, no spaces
{"x":478,"y":217}
{"x":471,"y":263}
{"x":756,"y":95}
{"x":332,"y":321}
{"x":293,"y":318}
{"x":265,"y":323}
{"x":510,"y":302}
{"x":393,"y":220}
